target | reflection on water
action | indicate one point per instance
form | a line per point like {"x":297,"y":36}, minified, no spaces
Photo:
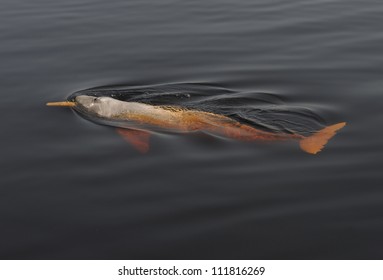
{"x":73,"y":189}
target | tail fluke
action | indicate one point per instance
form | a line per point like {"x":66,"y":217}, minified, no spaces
{"x":315,"y":143}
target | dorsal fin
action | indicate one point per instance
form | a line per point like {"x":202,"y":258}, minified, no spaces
{"x":137,"y":138}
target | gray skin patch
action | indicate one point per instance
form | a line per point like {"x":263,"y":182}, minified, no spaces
{"x":107,"y":107}
{"x":110,"y":108}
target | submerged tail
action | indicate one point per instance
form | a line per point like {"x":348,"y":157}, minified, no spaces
{"x":314,"y":143}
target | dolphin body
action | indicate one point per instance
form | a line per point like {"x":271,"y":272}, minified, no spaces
{"x":141,"y":118}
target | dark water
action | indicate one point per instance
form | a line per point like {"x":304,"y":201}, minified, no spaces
{"x":71,"y":189}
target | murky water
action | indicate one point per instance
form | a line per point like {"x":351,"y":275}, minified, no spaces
{"x":72,"y":189}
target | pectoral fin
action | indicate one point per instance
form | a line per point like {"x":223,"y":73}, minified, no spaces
{"x":138,"y":138}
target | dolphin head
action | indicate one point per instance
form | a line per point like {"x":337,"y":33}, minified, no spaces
{"x":101,"y":106}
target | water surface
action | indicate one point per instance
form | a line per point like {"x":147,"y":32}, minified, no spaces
{"x":71,"y":189}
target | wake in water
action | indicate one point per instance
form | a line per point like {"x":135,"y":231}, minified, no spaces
{"x":195,"y":107}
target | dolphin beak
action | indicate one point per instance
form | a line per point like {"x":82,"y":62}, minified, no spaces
{"x":62,"y":104}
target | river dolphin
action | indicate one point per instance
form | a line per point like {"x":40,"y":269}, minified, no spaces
{"x":143,"y":118}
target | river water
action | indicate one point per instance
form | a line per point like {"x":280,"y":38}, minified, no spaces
{"x":73,"y":189}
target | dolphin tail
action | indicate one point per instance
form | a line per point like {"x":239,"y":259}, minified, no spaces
{"x":314,"y":143}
